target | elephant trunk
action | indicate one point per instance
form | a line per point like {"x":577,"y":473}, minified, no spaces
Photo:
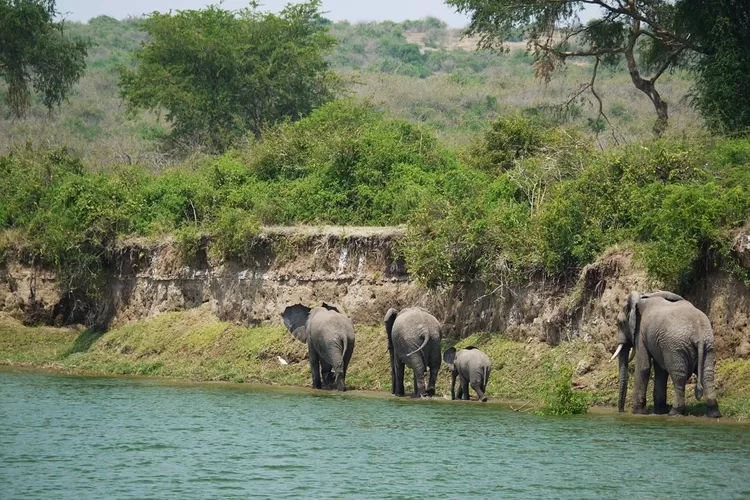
{"x":623,"y":364}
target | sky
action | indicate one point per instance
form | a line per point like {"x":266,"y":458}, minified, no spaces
{"x":352,"y":10}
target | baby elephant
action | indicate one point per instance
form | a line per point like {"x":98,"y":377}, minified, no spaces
{"x":474,"y":368}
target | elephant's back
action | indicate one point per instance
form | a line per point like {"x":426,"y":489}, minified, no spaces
{"x":472,"y":360}
{"x":415,"y":318}
{"x":689,"y":317}
{"x":332,"y":323}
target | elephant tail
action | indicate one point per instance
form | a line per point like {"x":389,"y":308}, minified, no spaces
{"x":485,"y":375}
{"x":343,"y":352}
{"x":424,"y":343}
{"x":699,"y":382}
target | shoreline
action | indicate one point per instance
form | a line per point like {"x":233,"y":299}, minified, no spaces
{"x":513,"y":405}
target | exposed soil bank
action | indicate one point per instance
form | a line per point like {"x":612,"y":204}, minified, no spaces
{"x":209,"y":318}
{"x":359,"y":270}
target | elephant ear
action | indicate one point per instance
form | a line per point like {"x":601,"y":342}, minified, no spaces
{"x":390,"y":318}
{"x":330,"y":307}
{"x":295,"y":318}
{"x":671,"y":297}
{"x":450,"y":356}
{"x":633,"y":315}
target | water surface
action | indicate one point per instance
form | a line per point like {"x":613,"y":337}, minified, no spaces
{"x":68,"y":437}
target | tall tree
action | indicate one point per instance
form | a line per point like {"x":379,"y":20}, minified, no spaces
{"x":220,"y":74}
{"x":722,"y":86}
{"x":35,"y":52}
{"x":643,"y":32}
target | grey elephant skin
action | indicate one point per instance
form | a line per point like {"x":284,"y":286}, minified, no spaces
{"x":329,"y":336}
{"x":473,"y":367}
{"x":670,"y":334}
{"x":413,"y":341}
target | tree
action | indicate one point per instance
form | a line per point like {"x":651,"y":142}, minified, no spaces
{"x":219,"y":74}
{"x":646,"y":33}
{"x":722,"y":86}
{"x":34,"y":51}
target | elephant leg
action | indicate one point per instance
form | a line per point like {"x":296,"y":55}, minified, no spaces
{"x":660,"y":390}
{"x":314,"y":367}
{"x":399,"y":371}
{"x":709,"y":385}
{"x":453,"y":384}
{"x":326,"y":374}
{"x":477,"y":386}
{"x":678,"y":406}
{"x":640,"y":386}
{"x":465,"y":389}
{"x":418,"y":367}
{"x":433,"y":380}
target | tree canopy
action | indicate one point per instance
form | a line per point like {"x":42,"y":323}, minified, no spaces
{"x":722,"y":87}
{"x":219,"y":74}
{"x":35,"y":52}
{"x":648,"y":34}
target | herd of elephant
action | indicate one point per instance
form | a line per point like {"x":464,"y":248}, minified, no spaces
{"x":662,"y":329}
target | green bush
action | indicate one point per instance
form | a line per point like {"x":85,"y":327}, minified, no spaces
{"x":525,"y":200}
{"x":558,"y":395}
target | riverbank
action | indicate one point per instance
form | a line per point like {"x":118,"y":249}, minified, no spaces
{"x":194,"y":345}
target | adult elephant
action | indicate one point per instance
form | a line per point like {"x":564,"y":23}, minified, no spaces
{"x":329,"y":336}
{"x":414,"y":341}
{"x":473,"y":367}
{"x":675,"y":337}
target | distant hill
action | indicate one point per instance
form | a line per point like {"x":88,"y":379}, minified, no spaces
{"x":418,"y":70}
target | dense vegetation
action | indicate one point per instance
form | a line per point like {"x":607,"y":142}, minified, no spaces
{"x":526,"y":199}
{"x":530,"y":192}
{"x":418,"y":71}
{"x":221,"y":75}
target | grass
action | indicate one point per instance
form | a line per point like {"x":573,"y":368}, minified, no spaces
{"x":194,"y":345}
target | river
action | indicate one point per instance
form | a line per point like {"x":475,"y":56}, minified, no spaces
{"x":69,"y":437}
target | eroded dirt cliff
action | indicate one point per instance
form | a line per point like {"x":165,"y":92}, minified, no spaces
{"x":359,"y":270}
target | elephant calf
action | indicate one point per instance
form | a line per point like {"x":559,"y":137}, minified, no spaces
{"x":413,"y":340}
{"x":329,"y":336}
{"x":473,"y":366}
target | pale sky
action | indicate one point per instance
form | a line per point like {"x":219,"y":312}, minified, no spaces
{"x":352,"y":10}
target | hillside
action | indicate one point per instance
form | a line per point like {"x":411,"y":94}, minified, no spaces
{"x":420,"y":71}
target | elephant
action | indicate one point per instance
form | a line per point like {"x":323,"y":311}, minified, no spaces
{"x":413,"y":340}
{"x":473,"y":366}
{"x":674,"y":336}
{"x":329,"y":336}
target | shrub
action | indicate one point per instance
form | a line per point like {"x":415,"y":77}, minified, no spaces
{"x":558,"y":394}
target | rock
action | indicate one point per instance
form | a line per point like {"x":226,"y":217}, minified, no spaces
{"x":743,"y":351}
{"x":584,"y":366}
{"x":741,"y":247}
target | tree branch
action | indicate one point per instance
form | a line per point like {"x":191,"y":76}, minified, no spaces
{"x":667,"y":63}
{"x":599,"y":101}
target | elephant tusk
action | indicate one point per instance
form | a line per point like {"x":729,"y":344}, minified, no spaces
{"x":619,"y":348}
{"x":632,"y":355}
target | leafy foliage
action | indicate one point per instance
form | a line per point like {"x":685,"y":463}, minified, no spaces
{"x":550,"y":205}
{"x":646,"y":33}
{"x":558,"y":394}
{"x":722,"y":86}
{"x":35,"y":52}
{"x":220,"y":74}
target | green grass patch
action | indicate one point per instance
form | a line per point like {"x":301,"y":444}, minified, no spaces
{"x":194,"y":345}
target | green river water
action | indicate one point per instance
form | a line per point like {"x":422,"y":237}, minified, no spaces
{"x":69,"y":437}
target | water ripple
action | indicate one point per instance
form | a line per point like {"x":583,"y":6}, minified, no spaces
{"x":76,"y":438}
